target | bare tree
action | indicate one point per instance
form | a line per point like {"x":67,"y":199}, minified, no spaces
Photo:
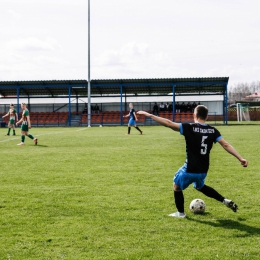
{"x":241,"y":90}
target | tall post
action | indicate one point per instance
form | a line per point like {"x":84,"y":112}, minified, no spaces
{"x":77,"y":104}
{"x":89,"y":86}
{"x":18,"y":96}
{"x":29,"y":105}
{"x":225,"y":106}
{"x":69,"y":106}
{"x":125,"y":102}
{"x":121,"y":105}
{"x":173,"y":103}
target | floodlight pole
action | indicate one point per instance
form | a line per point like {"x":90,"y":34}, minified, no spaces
{"x":89,"y":86}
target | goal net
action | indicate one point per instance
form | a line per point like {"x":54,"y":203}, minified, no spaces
{"x":242,"y":112}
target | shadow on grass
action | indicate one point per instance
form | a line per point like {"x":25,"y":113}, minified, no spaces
{"x":230,"y":224}
{"x":41,"y":145}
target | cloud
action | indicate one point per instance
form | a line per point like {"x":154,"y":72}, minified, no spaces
{"x":32,"y":58}
{"x":138,"y":39}
{"x":140,"y":60}
{"x":128,"y":53}
{"x":13,"y":14}
{"x":135,"y":59}
{"x":32,"y":44}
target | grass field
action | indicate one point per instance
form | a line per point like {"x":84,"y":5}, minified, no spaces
{"x":94,"y":193}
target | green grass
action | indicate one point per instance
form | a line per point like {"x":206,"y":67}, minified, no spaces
{"x":235,"y":123}
{"x":94,"y":193}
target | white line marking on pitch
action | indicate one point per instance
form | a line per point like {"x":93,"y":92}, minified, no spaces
{"x":54,"y":133}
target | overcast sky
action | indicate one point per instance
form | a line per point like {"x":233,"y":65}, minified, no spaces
{"x":47,"y":39}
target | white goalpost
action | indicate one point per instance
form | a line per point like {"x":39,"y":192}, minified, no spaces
{"x":242,"y":112}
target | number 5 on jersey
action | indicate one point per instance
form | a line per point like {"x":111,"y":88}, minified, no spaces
{"x":204,"y":146}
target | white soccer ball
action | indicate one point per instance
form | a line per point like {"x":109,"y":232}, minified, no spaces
{"x":197,"y":206}
{"x":100,"y":126}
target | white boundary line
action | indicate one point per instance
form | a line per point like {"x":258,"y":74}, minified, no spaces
{"x":54,"y":133}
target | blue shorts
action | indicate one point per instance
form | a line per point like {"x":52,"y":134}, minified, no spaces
{"x":183,"y":179}
{"x":132,"y":122}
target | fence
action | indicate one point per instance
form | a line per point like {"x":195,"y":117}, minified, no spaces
{"x":254,"y":113}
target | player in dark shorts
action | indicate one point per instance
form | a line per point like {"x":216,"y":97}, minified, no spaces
{"x":12,"y":117}
{"x":26,"y":125}
{"x":199,"y":139}
{"x":132,"y":119}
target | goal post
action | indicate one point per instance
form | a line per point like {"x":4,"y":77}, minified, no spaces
{"x":243,"y":112}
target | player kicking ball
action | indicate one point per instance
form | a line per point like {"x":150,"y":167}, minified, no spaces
{"x":132,"y":119}
{"x":199,"y":138}
{"x":26,"y":125}
{"x":12,"y":116}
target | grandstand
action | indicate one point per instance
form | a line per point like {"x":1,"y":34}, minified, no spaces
{"x":213,"y":91}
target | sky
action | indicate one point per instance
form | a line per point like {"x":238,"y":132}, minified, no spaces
{"x":48,"y":39}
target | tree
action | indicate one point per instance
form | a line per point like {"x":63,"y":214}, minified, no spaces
{"x":241,"y":90}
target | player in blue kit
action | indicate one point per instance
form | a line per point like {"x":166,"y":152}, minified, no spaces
{"x":199,"y":138}
{"x":132,"y":119}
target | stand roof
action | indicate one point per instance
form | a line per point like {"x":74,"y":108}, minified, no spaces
{"x":100,"y":87}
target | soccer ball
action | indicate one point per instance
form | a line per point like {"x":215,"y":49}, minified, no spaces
{"x":197,"y":206}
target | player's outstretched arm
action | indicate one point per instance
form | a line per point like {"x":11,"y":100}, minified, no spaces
{"x":5,"y":115}
{"x":127,"y":115}
{"x":230,"y":149}
{"x":163,"y":121}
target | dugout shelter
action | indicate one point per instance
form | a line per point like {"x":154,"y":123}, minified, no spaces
{"x":121,"y":88}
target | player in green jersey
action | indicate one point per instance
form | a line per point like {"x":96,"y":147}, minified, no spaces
{"x":12,"y":117}
{"x":26,"y":125}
